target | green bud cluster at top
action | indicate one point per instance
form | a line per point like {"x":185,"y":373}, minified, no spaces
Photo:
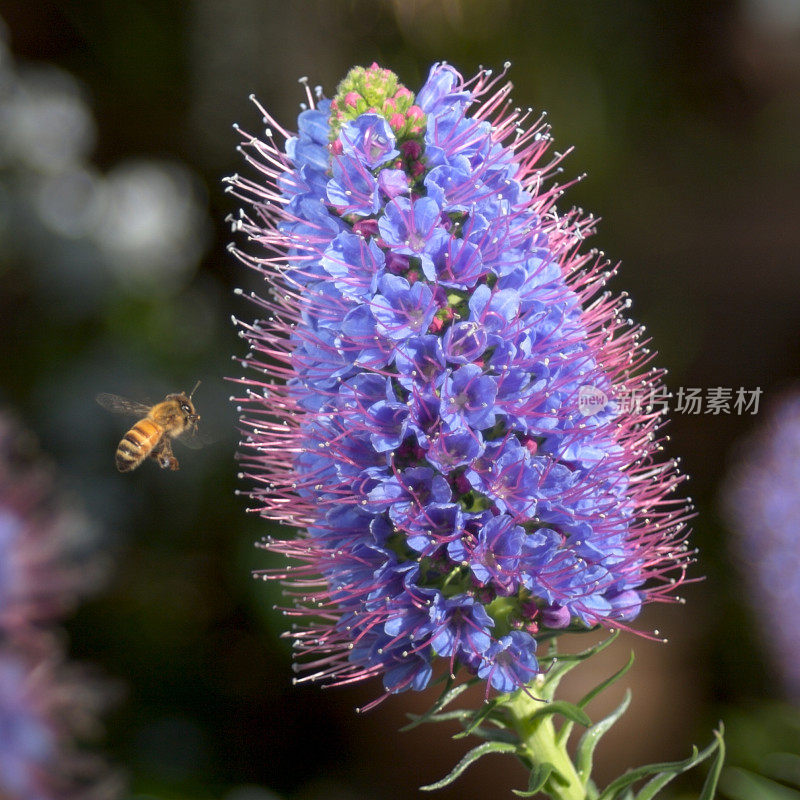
{"x":376,"y":90}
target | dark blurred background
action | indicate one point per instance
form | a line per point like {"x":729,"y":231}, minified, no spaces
{"x":115,"y":132}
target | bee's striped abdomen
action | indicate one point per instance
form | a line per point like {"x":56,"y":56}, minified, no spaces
{"x":137,"y":444}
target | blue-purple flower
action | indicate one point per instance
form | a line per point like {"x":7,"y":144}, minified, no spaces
{"x":429,"y":327}
{"x":369,"y":140}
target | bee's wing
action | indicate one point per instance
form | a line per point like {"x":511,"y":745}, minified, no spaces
{"x":195,"y":440}
{"x":120,"y":405}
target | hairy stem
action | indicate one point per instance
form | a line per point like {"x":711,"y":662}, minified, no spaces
{"x":538,"y":737}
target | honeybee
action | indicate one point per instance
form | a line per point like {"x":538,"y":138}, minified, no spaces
{"x":152,"y":435}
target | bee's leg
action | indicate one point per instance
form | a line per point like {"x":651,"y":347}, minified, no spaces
{"x":162,"y":453}
{"x":167,"y":458}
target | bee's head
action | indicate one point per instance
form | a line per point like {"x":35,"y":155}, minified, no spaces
{"x":186,"y":406}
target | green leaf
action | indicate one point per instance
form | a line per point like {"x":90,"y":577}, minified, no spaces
{"x":741,"y":784}
{"x":622,"y":783}
{"x":709,"y":785}
{"x":473,"y":755}
{"x":539,"y":775}
{"x":712,"y":779}
{"x":583,"y":654}
{"x":546,"y":635}
{"x":584,"y":753}
{"x":448,"y":695}
{"x":565,"y":708}
{"x":784,"y":767}
{"x":480,"y":715}
{"x":565,"y":731}
{"x":443,"y":716}
{"x":562,"y":664}
{"x":589,"y":696}
{"x":497,"y":735}
{"x":655,"y":785}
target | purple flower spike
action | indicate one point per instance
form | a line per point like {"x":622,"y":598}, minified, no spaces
{"x":47,"y":704}
{"x":762,"y":505}
{"x":428,"y":331}
{"x":45,"y":561}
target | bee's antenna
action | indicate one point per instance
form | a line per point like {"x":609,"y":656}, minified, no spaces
{"x":194,"y":390}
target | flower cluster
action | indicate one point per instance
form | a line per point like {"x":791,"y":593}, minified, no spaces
{"x":44,"y":547}
{"x":429,"y":327}
{"x":45,"y":702}
{"x":762,"y":505}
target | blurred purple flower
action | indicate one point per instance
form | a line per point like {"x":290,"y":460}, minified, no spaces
{"x":761,"y":503}
{"x":46,"y":705}
{"x":420,"y":418}
{"x":46,"y":560}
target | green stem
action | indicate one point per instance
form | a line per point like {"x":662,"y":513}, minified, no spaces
{"x":538,"y":737}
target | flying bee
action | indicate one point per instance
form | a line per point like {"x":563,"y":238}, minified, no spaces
{"x":152,"y":435}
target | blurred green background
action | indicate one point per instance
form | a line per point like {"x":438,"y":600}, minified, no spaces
{"x":115,"y":123}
